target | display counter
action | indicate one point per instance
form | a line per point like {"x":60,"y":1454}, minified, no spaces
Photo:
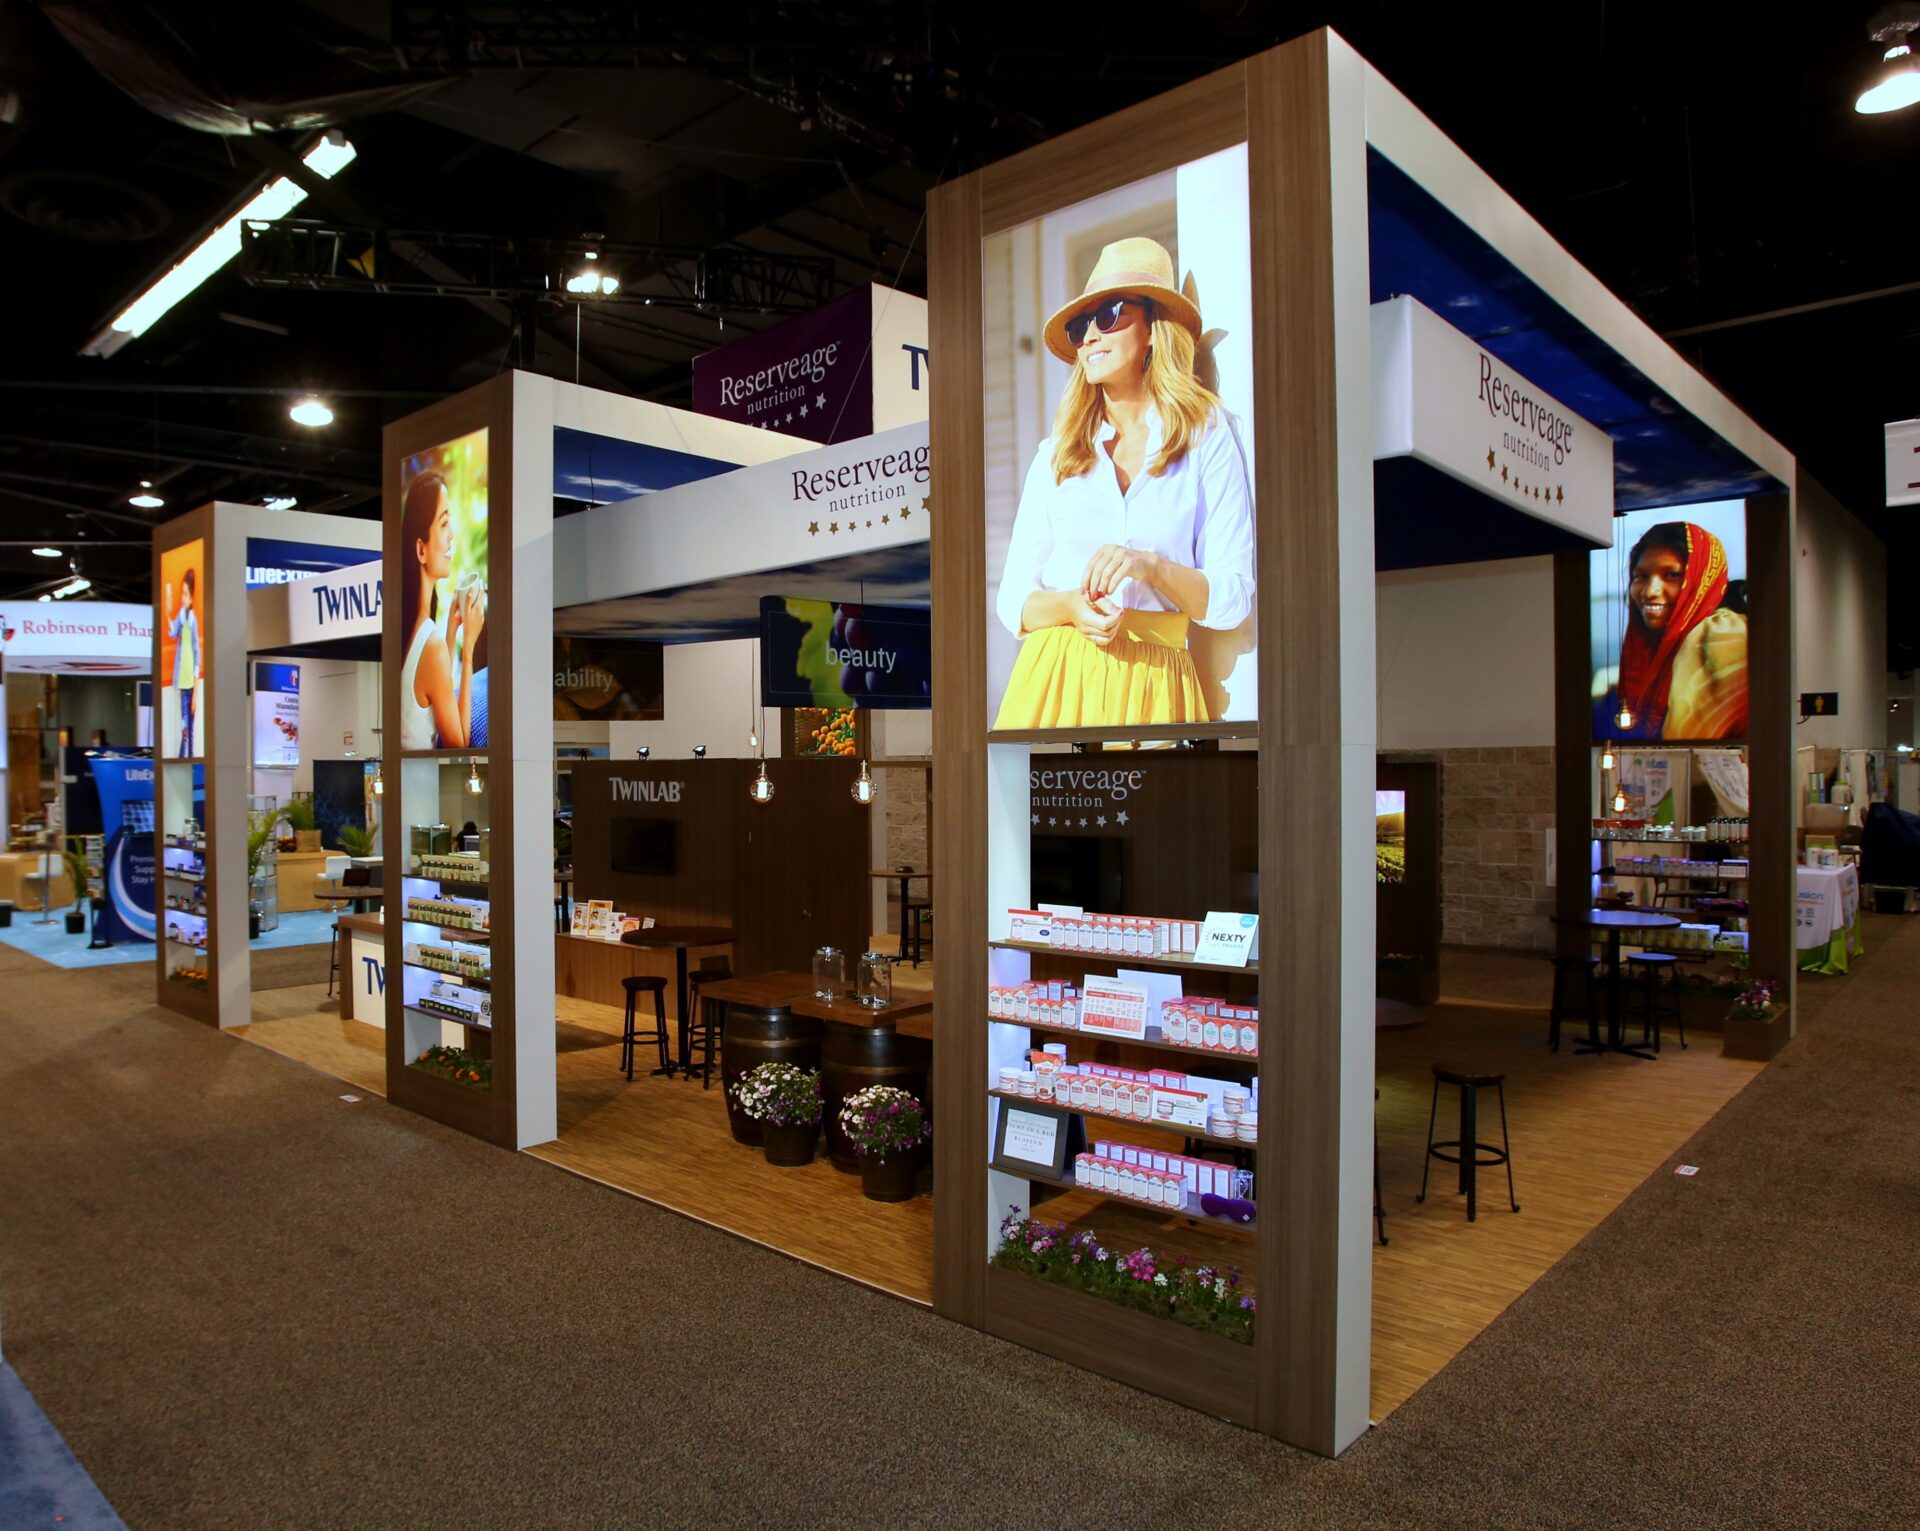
{"x":363,"y":968}
{"x":300,"y":874}
{"x":24,"y":876}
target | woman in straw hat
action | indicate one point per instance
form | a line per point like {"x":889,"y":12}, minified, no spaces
{"x":1135,"y":519}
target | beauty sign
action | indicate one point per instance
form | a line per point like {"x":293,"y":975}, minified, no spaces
{"x":1228,"y":940}
{"x":1114,"y":1008}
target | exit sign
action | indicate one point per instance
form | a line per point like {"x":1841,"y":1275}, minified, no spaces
{"x":1903,"y":462}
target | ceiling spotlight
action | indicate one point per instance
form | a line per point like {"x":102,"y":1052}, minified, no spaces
{"x":592,"y":283}
{"x":73,"y":587}
{"x":310,"y":412}
{"x":280,"y":502}
{"x":643,"y":752}
{"x":1893,"y":26}
{"x":699,"y":752}
{"x":46,"y":552}
{"x":146,"y":499}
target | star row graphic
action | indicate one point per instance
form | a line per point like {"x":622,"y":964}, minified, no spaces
{"x":1537,"y":491}
{"x":1099,"y":821}
{"x":819,"y":403}
{"x":926,"y":508}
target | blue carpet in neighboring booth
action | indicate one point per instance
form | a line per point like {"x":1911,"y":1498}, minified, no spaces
{"x":51,"y":943}
{"x":41,"y":1482}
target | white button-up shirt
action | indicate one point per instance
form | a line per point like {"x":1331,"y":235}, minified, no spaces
{"x":1198,"y":513}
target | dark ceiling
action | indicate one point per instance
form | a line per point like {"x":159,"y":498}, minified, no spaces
{"x":1703,"y":160}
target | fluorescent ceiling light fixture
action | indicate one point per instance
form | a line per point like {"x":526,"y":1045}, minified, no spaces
{"x":310,"y":411}
{"x":73,"y":587}
{"x":282,"y":502}
{"x":46,"y":552}
{"x":279,"y":197}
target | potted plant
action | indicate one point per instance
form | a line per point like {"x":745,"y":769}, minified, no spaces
{"x":260,"y":826}
{"x":1756,"y":1025}
{"x":888,"y":1129}
{"x":355,"y":840}
{"x":785,"y":1100}
{"x":74,"y":860}
{"x":299,"y":813}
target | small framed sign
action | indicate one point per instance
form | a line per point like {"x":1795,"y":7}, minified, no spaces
{"x":1229,"y":940}
{"x":1031,"y":1138}
{"x":1113,"y":1007}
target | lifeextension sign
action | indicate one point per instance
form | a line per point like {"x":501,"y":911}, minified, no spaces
{"x":76,"y":638}
{"x":1444,"y":401}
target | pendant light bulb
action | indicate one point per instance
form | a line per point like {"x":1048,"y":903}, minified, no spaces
{"x":1607,"y":761}
{"x":1619,"y":801}
{"x":1624,"y":717}
{"x":760,"y":789}
{"x":473,"y":778}
{"x":753,"y":738}
{"x":379,"y":781}
{"x":863,"y":786}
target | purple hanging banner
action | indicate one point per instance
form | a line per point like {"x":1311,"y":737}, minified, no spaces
{"x":811,"y":376}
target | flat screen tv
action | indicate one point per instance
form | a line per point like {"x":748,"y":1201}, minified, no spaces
{"x":1088,"y":870}
{"x":646,"y":847}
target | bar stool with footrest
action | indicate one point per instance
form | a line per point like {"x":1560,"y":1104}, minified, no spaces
{"x":1566,"y":969}
{"x":1468,"y":1150}
{"x":1647,"y":968}
{"x":912,"y":931}
{"x":631,"y":1036}
{"x":704,"y":1025}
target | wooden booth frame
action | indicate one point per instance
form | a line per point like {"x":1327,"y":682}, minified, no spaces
{"x":1299,"y":110}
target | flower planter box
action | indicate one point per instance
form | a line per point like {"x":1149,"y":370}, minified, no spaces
{"x":1759,"y":1041}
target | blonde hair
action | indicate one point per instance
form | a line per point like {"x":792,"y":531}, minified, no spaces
{"x":1184,"y":402}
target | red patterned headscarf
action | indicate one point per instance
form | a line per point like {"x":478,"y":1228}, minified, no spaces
{"x":1646,"y":659}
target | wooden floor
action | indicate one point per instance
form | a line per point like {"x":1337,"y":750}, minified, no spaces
{"x":1585,"y":1130}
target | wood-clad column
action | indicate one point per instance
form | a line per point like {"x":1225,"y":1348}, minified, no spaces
{"x":1572,"y":746}
{"x":1314,"y":490}
{"x":959,"y":805}
{"x":1771,"y":720}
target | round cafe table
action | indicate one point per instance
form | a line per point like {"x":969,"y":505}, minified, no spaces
{"x":1613,"y":925}
{"x":680,"y":937}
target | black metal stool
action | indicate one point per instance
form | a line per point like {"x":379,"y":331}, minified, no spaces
{"x":333,"y":959}
{"x":703,"y":1033}
{"x":632,"y":1036}
{"x":1468,"y":1149}
{"x":912,"y":938}
{"x":1563,"y":969}
{"x":1649,"y":966}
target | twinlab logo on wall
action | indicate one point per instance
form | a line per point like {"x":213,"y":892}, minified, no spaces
{"x":646,"y":791}
{"x":1075,"y":797}
{"x":1443,"y":400}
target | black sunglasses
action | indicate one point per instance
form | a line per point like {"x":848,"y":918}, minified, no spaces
{"x":1105,"y":318}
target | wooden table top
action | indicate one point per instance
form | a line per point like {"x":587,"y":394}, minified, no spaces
{"x":681,"y":935}
{"x":366,"y":924}
{"x":848,"y":1011}
{"x":894,"y":874}
{"x":1617,"y":919}
{"x":769,"y":991}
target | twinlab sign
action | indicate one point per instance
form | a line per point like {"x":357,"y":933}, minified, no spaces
{"x":344,"y":604}
{"x":76,"y":638}
{"x":1443,"y":400}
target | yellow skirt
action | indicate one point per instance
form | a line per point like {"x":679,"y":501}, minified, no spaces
{"x":1145,"y":676}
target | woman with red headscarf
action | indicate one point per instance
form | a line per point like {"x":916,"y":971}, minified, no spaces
{"x":1683,"y":660}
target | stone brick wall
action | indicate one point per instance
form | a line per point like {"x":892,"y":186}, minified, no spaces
{"x":1496,"y":810}
{"x":907,"y":814}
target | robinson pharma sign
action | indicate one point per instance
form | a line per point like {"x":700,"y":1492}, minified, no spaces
{"x":77,"y":638}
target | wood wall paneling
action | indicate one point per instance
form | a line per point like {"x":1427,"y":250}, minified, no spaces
{"x":1572,"y":747}
{"x":1772,"y":716}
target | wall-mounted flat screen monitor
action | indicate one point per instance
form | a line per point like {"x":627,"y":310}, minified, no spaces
{"x":1088,"y":870}
{"x":1390,"y":836}
{"x":646,"y":847}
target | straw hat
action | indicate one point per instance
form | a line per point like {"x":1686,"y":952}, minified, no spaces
{"x":1138,"y":268}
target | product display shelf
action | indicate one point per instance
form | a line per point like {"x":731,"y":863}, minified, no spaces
{"x":465,"y":980}
{"x":456,"y":1020}
{"x":1196,"y":1134}
{"x":1190,"y":1212}
{"x":1247,"y":1061}
{"x":466,"y":933}
{"x":1127,"y":959}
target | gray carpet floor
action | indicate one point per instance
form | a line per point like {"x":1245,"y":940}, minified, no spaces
{"x":245,"y":1302}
